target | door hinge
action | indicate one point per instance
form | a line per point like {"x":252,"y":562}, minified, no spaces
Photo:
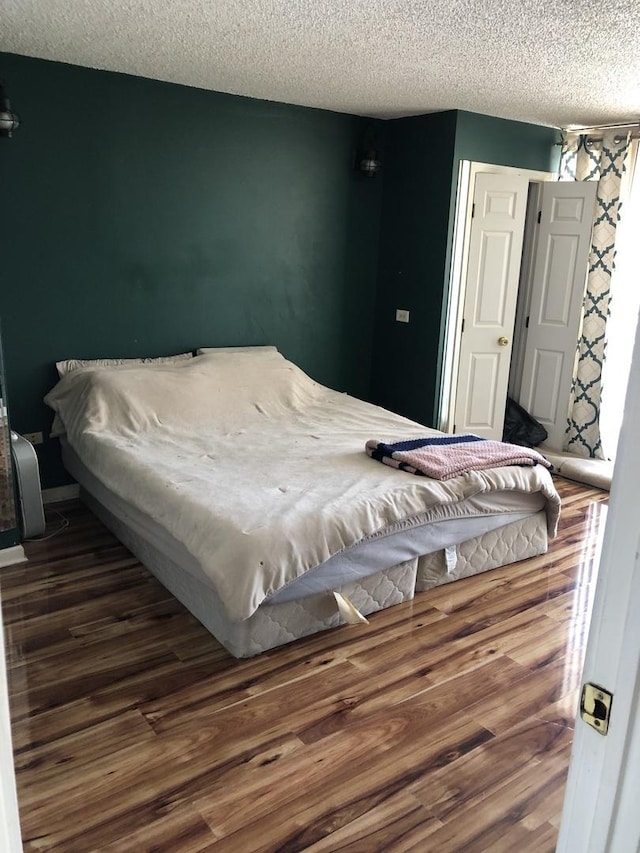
{"x":526,"y":323}
{"x":462,"y":327}
{"x":473,"y":209}
{"x":595,"y":707}
{"x":539,"y":216}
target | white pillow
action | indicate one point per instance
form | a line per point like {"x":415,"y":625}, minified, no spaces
{"x":209,"y":350}
{"x":70,"y":364}
{"x":216,"y":391}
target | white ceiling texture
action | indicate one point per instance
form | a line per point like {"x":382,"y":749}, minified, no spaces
{"x":560,"y":62}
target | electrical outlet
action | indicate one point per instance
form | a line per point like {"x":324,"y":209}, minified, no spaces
{"x":402,"y":316}
{"x":33,"y":437}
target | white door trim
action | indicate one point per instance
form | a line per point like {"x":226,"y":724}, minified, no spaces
{"x":467,"y":172}
{"x":12,"y":555}
{"x":455,"y":298}
{"x":10,"y":839}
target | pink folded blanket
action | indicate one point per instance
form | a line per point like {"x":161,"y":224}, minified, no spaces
{"x":444,"y":456}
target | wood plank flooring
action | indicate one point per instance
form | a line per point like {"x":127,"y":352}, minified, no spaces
{"x":444,"y":725}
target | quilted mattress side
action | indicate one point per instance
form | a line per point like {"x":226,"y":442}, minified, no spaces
{"x":516,"y":541}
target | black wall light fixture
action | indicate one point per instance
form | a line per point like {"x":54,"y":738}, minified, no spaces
{"x":367,"y":159}
{"x":9,"y":120}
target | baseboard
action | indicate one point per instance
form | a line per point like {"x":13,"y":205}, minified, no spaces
{"x":61,"y":493}
{"x":11,"y":556}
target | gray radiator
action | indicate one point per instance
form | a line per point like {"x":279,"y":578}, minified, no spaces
{"x":30,"y":509}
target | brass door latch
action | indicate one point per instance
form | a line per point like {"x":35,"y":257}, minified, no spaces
{"x":595,"y":707}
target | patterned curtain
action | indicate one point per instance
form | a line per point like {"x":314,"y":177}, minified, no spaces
{"x":603,"y":162}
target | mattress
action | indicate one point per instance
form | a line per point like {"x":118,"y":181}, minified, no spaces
{"x":311,"y":607}
{"x":352,"y":565}
{"x":499,"y":547}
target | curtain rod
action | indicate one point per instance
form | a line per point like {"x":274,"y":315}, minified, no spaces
{"x":619,"y":138}
{"x":586,"y":131}
{"x":623,"y":126}
{"x":591,"y":138}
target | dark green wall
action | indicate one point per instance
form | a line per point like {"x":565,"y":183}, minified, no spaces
{"x":145,"y":218}
{"x":418,"y":214}
{"x":418,"y":172}
{"x":485,"y":139}
{"x":8,"y":538}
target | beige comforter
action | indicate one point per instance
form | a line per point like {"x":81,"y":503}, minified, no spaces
{"x":259,"y":471}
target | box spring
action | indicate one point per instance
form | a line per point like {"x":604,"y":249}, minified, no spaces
{"x":276,"y":624}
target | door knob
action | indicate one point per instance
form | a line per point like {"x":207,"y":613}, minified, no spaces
{"x":503,"y":342}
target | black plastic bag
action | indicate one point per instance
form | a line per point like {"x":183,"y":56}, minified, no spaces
{"x":520,"y":427}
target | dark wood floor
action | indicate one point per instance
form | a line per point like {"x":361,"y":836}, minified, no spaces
{"x":444,"y":725}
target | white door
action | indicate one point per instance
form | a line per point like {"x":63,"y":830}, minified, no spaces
{"x":602,"y":803}
{"x":495,"y":249}
{"x":555,"y":317}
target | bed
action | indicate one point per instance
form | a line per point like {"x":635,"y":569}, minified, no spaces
{"x":243,"y":486}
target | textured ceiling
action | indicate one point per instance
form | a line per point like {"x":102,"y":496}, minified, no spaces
{"x":558,"y":62}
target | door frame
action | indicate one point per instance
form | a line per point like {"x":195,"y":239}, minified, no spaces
{"x":10,"y":839}
{"x":456,"y":290}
